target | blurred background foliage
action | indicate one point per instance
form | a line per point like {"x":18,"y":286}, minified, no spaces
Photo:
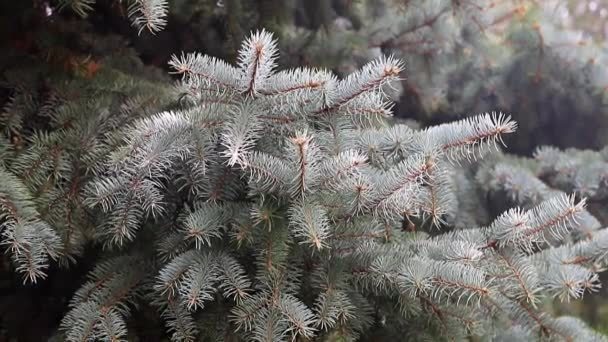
{"x":543,"y":61}
{"x":588,"y":16}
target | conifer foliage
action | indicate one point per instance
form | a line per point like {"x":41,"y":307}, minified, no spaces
{"x":283,"y":205}
{"x":147,"y":15}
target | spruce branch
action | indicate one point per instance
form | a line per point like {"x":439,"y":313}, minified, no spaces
{"x":525,"y":276}
{"x":524,"y":229}
{"x":256,"y":60}
{"x":198,"y":283}
{"x":299,"y":318}
{"x":102,"y":305}
{"x":170,"y":275}
{"x":268,"y":172}
{"x":468,"y":137}
{"x":31,"y":241}
{"x":201,"y":71}
{"x":570,"y":281}
{"x":148,"y":14}
{"x":302,"y":81}
{"x":204,"y":224}
{"x":234,"y":282}
{"x":394,"y":193}
{"x":309,"y":223}
{"x":80,"y":7}
{"x":240,"y":134}
{"x":459,"y":282}
{"x":372,"y":77}
{"x":303,"y":155}
{"x":336,"y":172}
{"x":178,"y":320}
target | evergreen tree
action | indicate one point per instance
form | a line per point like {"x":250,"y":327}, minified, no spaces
{"x":274,"y":205}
